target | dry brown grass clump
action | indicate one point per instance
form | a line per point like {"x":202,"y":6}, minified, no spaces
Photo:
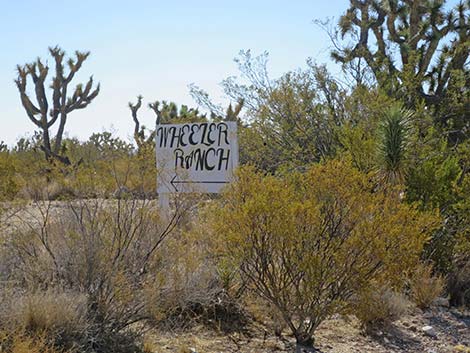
{"x":190,"y":289}
{"x":20,"y":342}
{"x":53,"y":315}
{"x":379,"y":306}
{"x":425,"y":287}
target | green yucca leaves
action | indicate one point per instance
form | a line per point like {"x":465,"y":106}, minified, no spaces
{"x":393,"y":144}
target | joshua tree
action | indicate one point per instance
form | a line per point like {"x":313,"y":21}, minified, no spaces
{"x":139,"y":130}
{"x":167,"y":113}
{"x":44,"y":114}
{"x":232,"y":113}
{"x":417,"y":48}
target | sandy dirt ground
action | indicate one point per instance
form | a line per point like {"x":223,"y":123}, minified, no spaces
{"x":337,"y":335}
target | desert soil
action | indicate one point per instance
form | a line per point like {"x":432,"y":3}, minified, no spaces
{"x":337,"y":335}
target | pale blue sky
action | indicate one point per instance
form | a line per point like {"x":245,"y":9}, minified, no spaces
{"x":154,"y":48}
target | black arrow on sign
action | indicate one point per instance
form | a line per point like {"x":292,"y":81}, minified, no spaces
{"x":173,"y":182}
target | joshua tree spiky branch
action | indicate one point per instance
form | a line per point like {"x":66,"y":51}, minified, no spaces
{"x":139,"y":131}
{"x":45,"y":115}
{"x":233,"y":113}
{"x":155,"y":107}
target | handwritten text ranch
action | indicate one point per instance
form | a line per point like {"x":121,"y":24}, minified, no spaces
{"x":213,"y":147}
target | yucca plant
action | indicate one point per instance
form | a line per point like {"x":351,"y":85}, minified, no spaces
{"x":393,"y":142}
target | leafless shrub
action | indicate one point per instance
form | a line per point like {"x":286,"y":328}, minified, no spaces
{"x":108,"y":251}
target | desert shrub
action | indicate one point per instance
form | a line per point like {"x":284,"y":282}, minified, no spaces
{"x":105,"y":250}
{"x":190,"y":289}
{"x":9,"y":186}
{"x":59,"y":316}
{"x":49,"y":181}
{"x":458,"y":284}
{"x":99,"y":167}
{"x":431,"y":184}
{"x":128,"y":176}
{"x":307,"y":243}
{"x":379,"y":305}
{"x":425,"y":287}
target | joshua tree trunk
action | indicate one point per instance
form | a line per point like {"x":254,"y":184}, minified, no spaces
{"x":62,"y":105}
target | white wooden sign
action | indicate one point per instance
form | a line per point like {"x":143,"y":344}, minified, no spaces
{"x":199,"y":157}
